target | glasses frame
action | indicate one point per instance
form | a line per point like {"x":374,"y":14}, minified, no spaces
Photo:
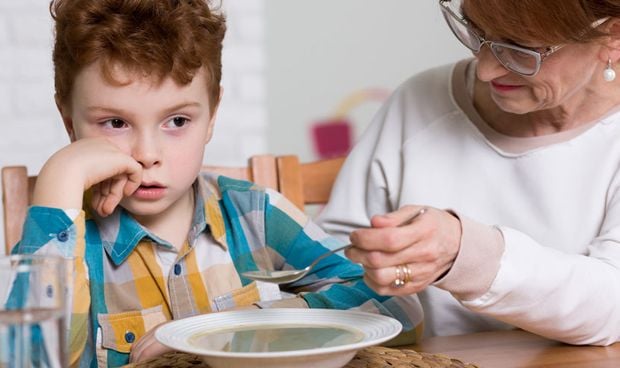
{"x":538,"y":56}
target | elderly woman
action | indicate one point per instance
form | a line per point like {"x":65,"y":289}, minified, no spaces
{"x":512,"y":160}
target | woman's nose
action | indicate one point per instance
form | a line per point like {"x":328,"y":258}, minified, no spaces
{"x":146,"y":151}
{"x":489,"y":67}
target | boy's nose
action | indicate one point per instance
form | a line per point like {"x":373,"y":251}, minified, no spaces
{"x":146,"y":152}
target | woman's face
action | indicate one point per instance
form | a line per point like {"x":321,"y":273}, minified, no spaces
{"x":565,"y":76}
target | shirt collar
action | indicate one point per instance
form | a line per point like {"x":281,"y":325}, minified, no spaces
{"x":121,"y":233}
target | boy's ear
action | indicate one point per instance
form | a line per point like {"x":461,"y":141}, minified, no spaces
{"x":66,"y":118}
{"x":213,"y":116}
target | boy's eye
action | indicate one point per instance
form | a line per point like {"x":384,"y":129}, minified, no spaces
{"x":177,"y":122}
{"x":115,"y":123}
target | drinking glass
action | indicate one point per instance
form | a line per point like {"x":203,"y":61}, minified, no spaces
{"x":33,"y":311}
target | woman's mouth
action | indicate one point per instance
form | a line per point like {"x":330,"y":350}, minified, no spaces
{"x":500,"y":87}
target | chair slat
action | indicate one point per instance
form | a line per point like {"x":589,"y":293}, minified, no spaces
{"x":307,"y":183}
{"x":290,"y":180}
{"x":318,"y":178}
{"x":16,"y":193}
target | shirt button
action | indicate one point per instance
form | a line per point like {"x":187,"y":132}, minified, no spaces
{"x":130,"y":337}
{"x":62,"y":236}
{"x":177,"y":269}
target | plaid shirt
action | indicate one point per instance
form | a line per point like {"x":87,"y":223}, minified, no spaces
{"x":127,"y":280}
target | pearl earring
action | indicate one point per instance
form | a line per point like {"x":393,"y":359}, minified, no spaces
{"x":609,"y":74}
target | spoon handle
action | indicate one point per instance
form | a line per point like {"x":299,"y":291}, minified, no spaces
{"x":322,"y":256}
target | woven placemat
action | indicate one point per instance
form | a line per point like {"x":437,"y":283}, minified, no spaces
{"x":372,"y":357}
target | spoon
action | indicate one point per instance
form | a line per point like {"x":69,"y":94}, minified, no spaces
{"x":287,"y":276}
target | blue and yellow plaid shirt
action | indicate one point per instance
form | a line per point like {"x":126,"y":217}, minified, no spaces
{"x":127,"y":280}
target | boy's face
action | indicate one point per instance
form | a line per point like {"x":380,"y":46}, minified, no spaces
{"x":162,"y":126}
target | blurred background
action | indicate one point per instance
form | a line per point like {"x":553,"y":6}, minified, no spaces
{"x":296,"y":72}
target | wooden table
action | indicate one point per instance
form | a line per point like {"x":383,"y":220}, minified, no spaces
{"x":499,"y":349}
{"x":507,"y":349}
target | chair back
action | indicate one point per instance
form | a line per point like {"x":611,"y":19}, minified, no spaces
{"x":17,"y":189}
{"x":307,"y":183}
{"x":261,"y":170}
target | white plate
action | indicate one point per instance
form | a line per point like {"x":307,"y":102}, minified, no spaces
{"x":277,"y":338}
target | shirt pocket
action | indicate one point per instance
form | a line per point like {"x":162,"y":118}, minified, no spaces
{"x":120,"y":330}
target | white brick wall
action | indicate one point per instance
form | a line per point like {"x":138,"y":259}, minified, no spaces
{"x":242,"y":114}
{"x":31,"y":129}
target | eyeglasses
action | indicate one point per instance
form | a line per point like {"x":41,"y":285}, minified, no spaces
{"x":515,"y":58}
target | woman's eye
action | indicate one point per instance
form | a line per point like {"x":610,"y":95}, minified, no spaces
{"x":177,"y":122}
{"x":521,"y":55}
{"x":115,"y":123}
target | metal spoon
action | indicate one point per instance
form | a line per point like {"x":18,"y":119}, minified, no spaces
{"x":287,"y":276}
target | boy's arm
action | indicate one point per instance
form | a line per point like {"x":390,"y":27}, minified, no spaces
{"x":336,"y":282}
{"x":86,"y":163}
{"x":55,"y":223}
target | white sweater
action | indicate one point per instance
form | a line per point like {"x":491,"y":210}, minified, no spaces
{"x":540,"y":216}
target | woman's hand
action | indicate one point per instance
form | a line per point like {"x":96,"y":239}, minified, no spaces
{"x":427,"y":246}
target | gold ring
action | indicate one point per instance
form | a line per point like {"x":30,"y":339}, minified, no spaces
{"x":399,"y":281}
{"x":407,"y":273}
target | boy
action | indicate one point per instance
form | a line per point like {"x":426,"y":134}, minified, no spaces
{"x":137,"y":86}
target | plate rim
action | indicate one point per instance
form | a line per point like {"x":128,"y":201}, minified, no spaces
{"x":394,"y":324}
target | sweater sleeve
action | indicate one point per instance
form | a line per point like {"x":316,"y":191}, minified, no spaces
{"x":477,"y":261}
{"x":574,"y":298}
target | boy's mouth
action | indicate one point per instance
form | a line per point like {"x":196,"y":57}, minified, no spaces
{"x":150,"y":191}
{"x":151,"y":185}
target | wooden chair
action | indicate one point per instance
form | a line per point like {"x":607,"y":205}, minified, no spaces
{"x":307,"y":183}
{"x":261,"y":170}
{"x":17,"y":189}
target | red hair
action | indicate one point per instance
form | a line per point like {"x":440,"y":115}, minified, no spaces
{"x":545,"y":22}
{"x":155,"y":38}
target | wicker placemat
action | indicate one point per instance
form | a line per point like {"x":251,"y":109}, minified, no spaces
{"x":381,"y":357}
{"x":372,"y":357}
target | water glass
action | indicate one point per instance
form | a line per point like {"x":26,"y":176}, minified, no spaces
{"x":33,"y":311}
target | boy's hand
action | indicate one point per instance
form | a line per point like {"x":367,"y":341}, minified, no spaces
{"x":83,"y":164}
{"x":147,"y":347}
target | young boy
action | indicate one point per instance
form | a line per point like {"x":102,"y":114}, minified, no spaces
{"x":137,"y":85}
